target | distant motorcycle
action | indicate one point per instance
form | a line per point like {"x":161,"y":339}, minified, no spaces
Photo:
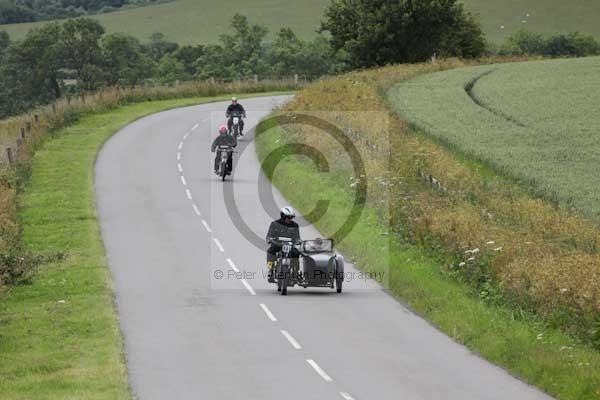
{"x":318,"y":265}
{"x":226,"y":153}
{"x":235,"y":124}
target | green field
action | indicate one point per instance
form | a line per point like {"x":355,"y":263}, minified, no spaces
{"x":192,"y":21}
{"x":537,"y":122}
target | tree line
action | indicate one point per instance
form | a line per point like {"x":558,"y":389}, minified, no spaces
{"x":61,"y":58}
{"x":18,"y":11}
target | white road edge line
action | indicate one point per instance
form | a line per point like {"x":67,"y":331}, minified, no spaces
{"x":290,"y":339}
{"x":247,"y":285}
{"x":206,"y":226}
{"x":232,"y":265}
{"x":268,"y":312}
{"x":219,"y":245}
{"x":319,"y":370}
{"x":178,"y":156}
{"x":189,"y":194}
{"x":185,"y":136}
{"x":183,"y":180}
{"x":346,"y":396}
{"x":195,"y":127}
{"x":196,"y":210}
{"x":179,"y":167}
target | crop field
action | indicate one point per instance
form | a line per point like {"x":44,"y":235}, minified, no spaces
{"x":192,"y":21}
{"x":537,"y":122}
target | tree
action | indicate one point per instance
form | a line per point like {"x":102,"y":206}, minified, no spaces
{"x":285,"y":52}
{"x":124,"y":61}
{"x":4,"y":43}
{"x":37,"y":61}
{"x":245,"y":47}
{"x":159,"y":46}
{"x":170,"y":70}
{"x":378,"y":32}
{"x":188,"y":56}
{"x":80,"y":41}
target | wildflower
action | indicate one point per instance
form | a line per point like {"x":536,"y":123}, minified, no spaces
{"x":491,"y":242}
{"x":564,"y":290}
{"x":498,"y":248}
{"x":462,"y":264}
{"x":471,"y":259}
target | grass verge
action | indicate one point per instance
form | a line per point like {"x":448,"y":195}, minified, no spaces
{"x":520,"y":343}
{"x":59,"y":334}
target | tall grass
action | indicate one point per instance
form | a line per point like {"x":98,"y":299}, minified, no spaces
{"x":490,"y":233}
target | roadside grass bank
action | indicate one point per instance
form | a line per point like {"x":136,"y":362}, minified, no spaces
{"x":59,"y":333}
{"x":20,"y":136}
{"x":429,"y":229}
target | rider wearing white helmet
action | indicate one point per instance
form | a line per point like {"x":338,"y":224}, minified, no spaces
{"x":283,"y":227}
{"x":235,"y":108}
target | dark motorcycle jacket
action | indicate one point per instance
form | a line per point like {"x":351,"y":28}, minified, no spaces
{"x":224,"y":140}
{"x":279,"y":228}
{"x":235,"y":108}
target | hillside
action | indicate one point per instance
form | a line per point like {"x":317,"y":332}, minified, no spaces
{"x":535,"y":121}
{"x":191,"y":21}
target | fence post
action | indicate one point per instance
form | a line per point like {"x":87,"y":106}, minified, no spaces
{"x":9,"y":155}
{"x":19,"y":143}
{"x":36,"y":117}
{"x":53,"y":108}
{"x":28,"y":125}
{"x":69,"y":100}
{"x":295,"y":79}
{"x":256,"y":79}
{"x":83,"y":97}
{"x":23,"y":132}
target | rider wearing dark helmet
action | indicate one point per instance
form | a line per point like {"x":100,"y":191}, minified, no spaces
{"x":223,"y":140}
{"x":283,"y":227}
{"x":235,"y":107}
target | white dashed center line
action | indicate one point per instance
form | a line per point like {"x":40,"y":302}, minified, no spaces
{"x":195,"y":127}
{"x":232,"y":265}
{"x":290,"y":339}
{"x":319,"y":370}
{"x":178,"y":156}
{"x":268,"y":312}
{"x":188,"y":193}
{"x":196,"y":210}
{"x":180,"y":145}
{"x":206,"y":226}
{"x":180,"y":168}
{"x":219,"y":245}
{"x":183,"y":180}
{"x":247,"y":285}
{"x":346,"y":396}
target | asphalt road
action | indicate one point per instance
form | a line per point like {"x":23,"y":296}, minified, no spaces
{"x":188,"y":335}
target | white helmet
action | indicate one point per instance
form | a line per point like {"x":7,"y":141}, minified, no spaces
{"x":287,"y":212}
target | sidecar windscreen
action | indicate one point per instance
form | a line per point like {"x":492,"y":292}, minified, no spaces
{"x":318,"y":245}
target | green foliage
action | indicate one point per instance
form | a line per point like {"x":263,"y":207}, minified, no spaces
{"x":80,"y":42}
{"x":17,"y":11}
{"x":77,"y":56}
{"x":124,"y":60}
{"x":559,"y":45}
{"x":390,"y":31}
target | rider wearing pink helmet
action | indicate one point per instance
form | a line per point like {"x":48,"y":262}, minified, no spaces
{"x":224,"y":139}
